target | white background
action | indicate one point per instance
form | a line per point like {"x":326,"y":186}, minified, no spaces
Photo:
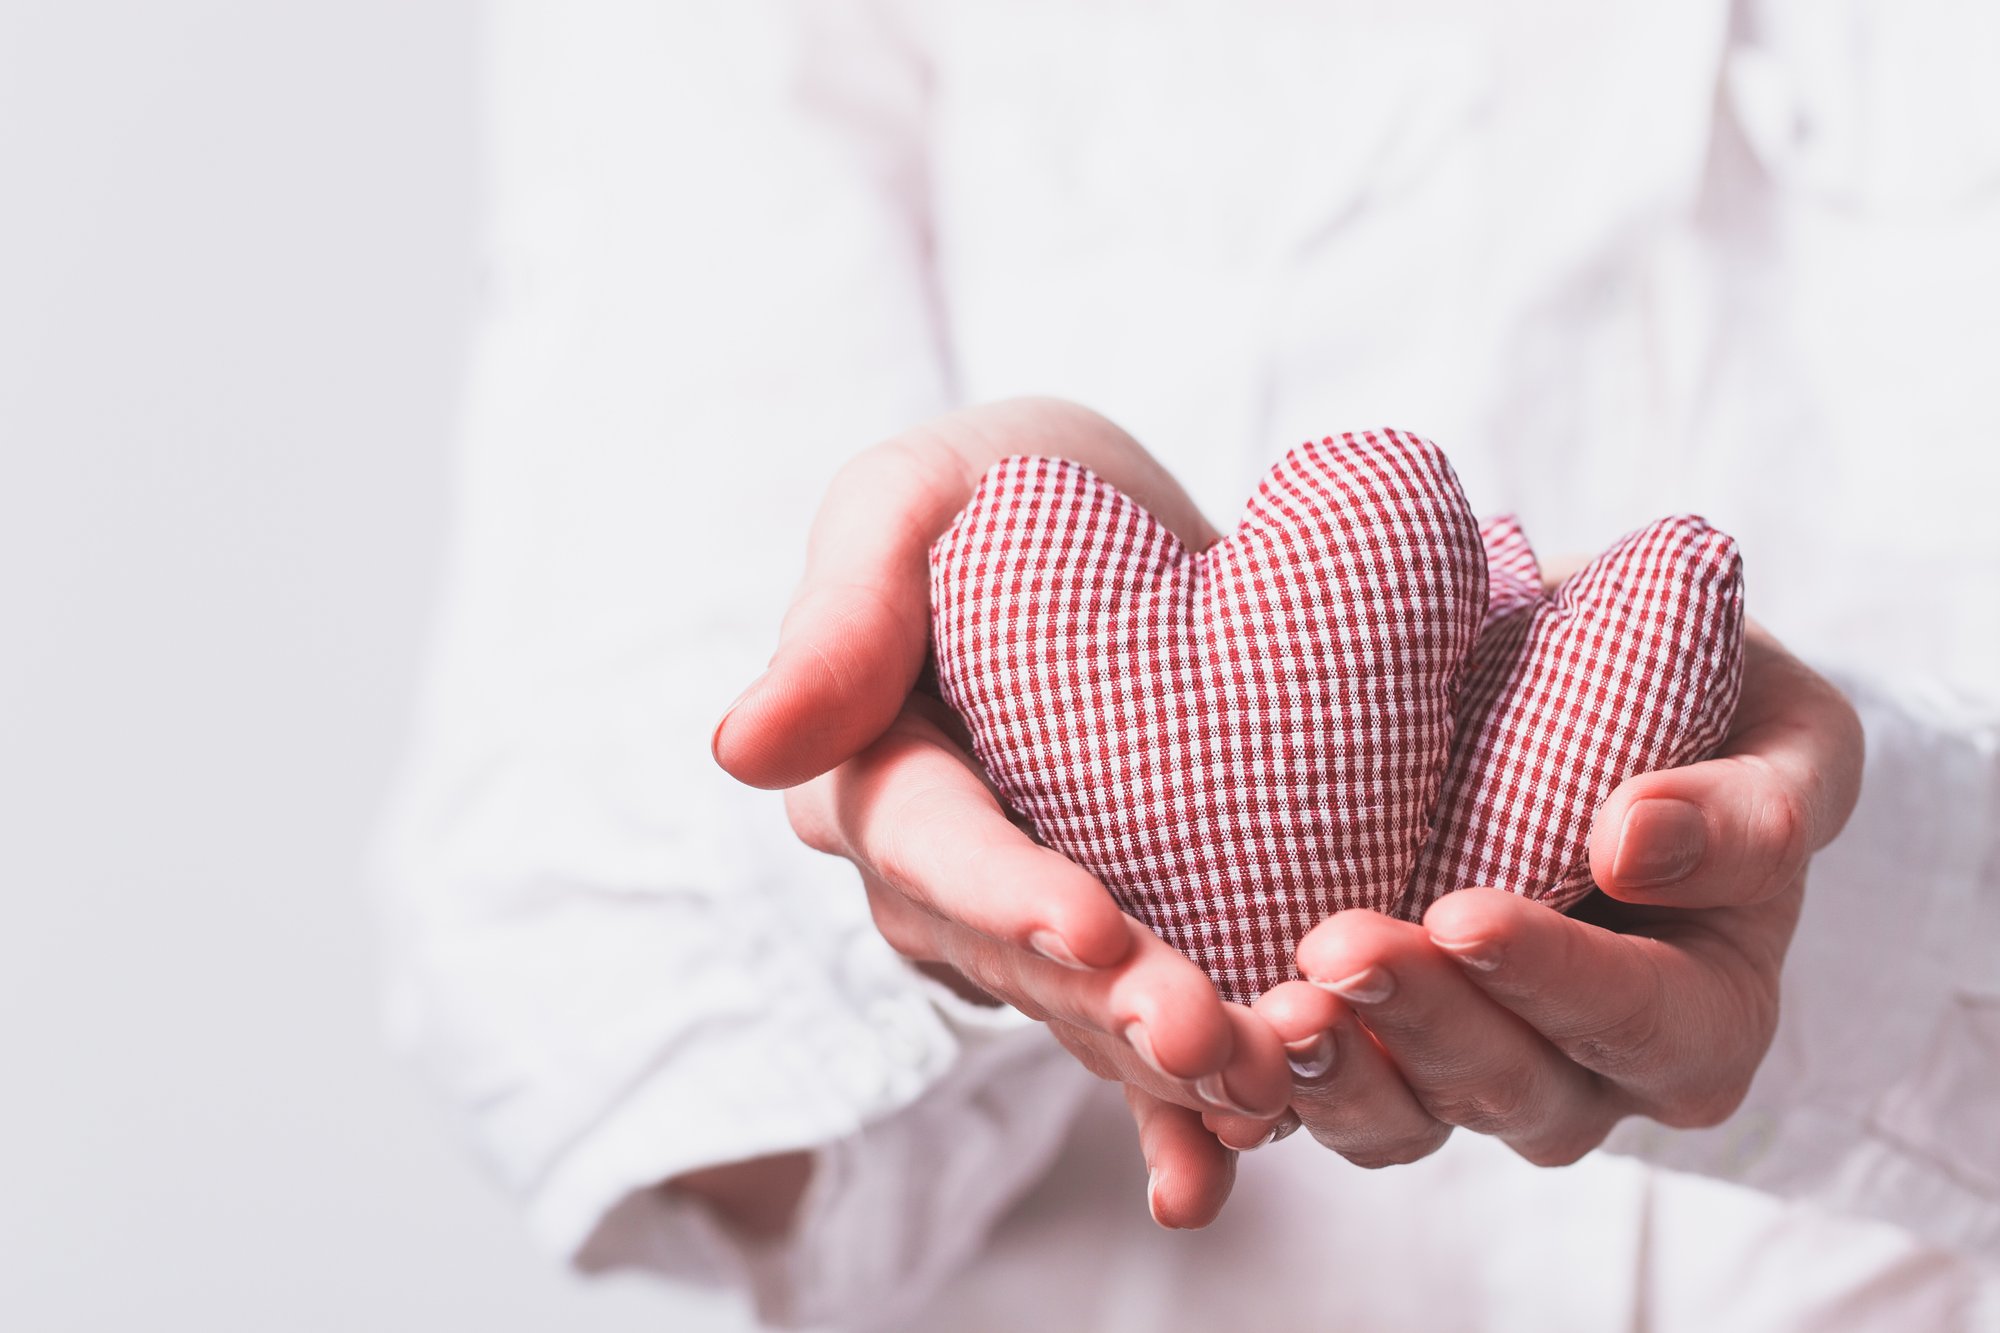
{"x":237,"y":268}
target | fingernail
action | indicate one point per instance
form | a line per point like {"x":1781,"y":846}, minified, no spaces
{"x":1311,"y":1059}
{"x":1054,"y":948}
{"x":1479,"y":955}
{"x":1288,"y":1122}
{"x":1662,"y":841}
{"x":1142,"y":1042}
{"x":1153,"y":1199}
{"x":1371,"y":985}
{"x":715,"y":737}
{"x":1215,"y":1092}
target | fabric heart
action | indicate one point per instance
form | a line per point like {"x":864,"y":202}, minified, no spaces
{"x":1632,"y":664}
{"x":1243,"y":740}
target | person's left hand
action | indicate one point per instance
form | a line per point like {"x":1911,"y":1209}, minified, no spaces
{"x":1504,"y":1017}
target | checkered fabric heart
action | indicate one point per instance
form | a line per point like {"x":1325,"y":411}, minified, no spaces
{"x":1632,"y":664}
{"x":1243,"y":740}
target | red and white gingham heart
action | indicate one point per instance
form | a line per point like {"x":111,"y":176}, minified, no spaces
{"x":1243,"y":740}
{"x":1631,"y":664}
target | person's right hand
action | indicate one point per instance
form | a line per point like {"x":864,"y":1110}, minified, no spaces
{"x":877,"y":774}
{"x":1658,"y":997}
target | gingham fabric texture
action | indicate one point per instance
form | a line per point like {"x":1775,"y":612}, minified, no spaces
{"x":1243,"y":740}
{"x":1514,"y":576}
{"x":1632,"y":664}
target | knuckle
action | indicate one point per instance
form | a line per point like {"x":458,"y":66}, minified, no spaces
{"x":1707,"y":1105}
{"x":805,"y":810}
{"x":1712,"y":1090}
{"x":1577,"y":1134}
{"x":1601,"y":1053}
{"x":1705,"y":1112}
{"x":1501,"y":1102}
{"x":921,"y":453}
{"x":891,"y":856}
{"x":992,"y":968}
{"x":1623,"y":1044}
{"x":864,"y":472}
{"x":894,"y":846}
{"x":1087,"y":1052}
{"x":1724,"y":1078}
{"x":1401,"y":1151}
{"x":1776,"y":829}
{"x":903,"y":843}
{"x":900,"y":927}
{"x":1562,"y":1150}
{"x":922,"y":460}
{"x":1783,"y":830}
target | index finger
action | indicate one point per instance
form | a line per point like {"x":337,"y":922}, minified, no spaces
{"x":912,"y":809}
{"x":853,"y":642}
{"x":1678,"y":1015}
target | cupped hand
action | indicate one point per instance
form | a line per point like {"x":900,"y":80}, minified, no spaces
{"x":878,"y":773}
{"x":1657,"y":998}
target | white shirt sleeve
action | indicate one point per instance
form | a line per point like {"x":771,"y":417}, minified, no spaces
{"x":1881,"y":1093}
{"x":708,"y":286}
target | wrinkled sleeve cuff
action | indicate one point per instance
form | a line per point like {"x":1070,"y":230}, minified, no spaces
{"x":893,"y":1209}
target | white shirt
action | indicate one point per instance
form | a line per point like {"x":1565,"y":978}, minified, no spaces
{"x":1619,"y":259}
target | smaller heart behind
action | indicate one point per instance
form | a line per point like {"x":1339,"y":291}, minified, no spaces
{"x":1633,"y":664}
{"x":1239,"y":741}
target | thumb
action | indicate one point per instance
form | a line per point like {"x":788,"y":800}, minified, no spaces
{"x":856,"y":635}
{"x":1738,"y":829}
{"x":1711,"y":834}
{"x":847,"y":660}
{"x":853,"y":641}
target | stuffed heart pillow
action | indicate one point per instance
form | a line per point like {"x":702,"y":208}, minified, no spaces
{"x":1361,"y":698}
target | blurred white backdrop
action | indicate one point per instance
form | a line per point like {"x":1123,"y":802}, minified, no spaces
{"x":236,"y":272}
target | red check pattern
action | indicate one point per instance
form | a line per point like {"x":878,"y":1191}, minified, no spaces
{"x":1243,"y":740}
{"x":1514,"y":576}
{"x":1633,"y":664}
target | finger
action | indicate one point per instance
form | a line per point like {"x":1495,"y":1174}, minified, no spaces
{"x":1297,"y":1016}
{"x":1469,"y":1061}
{"x":853,"y":642}
{"x":1257,"y":1078}
{"x":1739,"y":828}
{"x":1113,"y":1059}
{"x":1677,"y":1017}
{"x":1188,"y":1171}
{"x":1362,"y":1109}
{"x":1241,"y":1133}
{"x":1161,"y":1011}
{"x":1157,"y":1003}
{"x":1346,"y":1090}
{"x":1302,"y":1016}
{"x":1251,"y":1085}
{"x":913,"y":811}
